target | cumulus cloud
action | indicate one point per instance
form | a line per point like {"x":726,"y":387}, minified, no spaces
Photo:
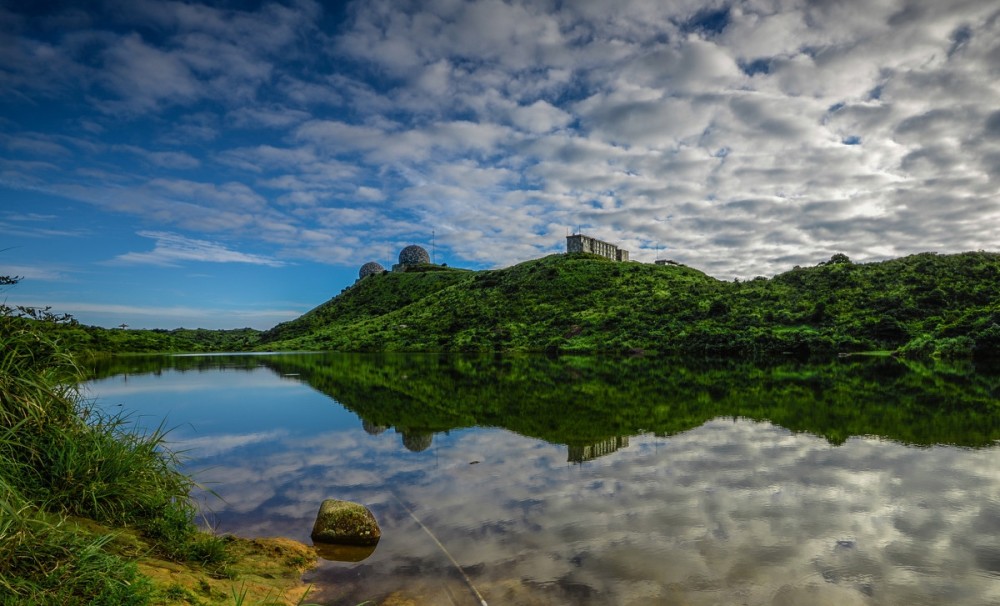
{"x":742,"y":137}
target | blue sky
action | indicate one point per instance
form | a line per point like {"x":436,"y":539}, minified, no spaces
{"x":228,"y":164}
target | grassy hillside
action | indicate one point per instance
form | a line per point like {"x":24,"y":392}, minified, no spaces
{"x":922,"y":305}
{"x":94,"y":512}
{"x":375,"y":295}
{"x":531,"y":306}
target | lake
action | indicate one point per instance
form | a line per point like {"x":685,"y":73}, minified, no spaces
{"x":584,"y":480}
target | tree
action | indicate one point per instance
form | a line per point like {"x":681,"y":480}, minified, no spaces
{"x":838,"y":259}
{"x":35,"y":313}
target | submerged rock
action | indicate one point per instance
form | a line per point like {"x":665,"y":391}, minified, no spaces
{"x":345,"y":523}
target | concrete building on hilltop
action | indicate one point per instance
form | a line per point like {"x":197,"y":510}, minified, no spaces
{"x":586,"y":244}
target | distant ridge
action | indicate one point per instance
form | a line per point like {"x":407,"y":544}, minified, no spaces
{"x":921,"y":305}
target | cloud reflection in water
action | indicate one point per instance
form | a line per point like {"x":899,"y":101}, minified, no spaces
{"x":733,"y":512}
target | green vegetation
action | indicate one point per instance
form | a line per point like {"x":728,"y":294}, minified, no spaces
{"x":921,"y":306}
{"x":86,"y":503}
{"x":376,"y":295}
{"x":577,"y":400}
{"x":83,"y":498}
{"x":86,"y":341}
{"x":580,"y":400}
{"x":94,"y":340}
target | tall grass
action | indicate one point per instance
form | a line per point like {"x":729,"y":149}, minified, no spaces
{"x":60,"y":459}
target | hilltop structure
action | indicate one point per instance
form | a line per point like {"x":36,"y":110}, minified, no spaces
{"x":370,"y":268}
{"x":411,"y":255}
{"x":582,"y":243}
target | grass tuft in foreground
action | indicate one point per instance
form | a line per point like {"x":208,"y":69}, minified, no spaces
{"x":61,"y":461}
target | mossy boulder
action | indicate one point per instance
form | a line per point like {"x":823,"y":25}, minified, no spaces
{"x":345,"y":523}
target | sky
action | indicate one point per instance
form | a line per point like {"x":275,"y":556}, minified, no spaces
{"x":233,"y":163}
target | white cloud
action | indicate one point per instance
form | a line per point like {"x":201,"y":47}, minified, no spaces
{"x":267,"y":117}
{"x":33,"y":144}
{"x":153,"y":316}
{"x":370,"y":193}
{"x":147,"y":75}
{"x":30,"y":227}
{"x":540,"y":117}
{"x":172,"y":249}
{"x":214,"y":445}
{"x":34,"y":272}
{"x":163,"y":159}
{"x":230,"y":195}
{"x":773,"y":135}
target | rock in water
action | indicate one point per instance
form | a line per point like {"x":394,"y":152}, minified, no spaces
{"x":345,"y":523}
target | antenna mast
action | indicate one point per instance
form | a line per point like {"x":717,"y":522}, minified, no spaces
{"x":433,"y":245}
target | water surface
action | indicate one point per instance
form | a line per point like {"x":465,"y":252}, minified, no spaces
{"x":590,"y":481}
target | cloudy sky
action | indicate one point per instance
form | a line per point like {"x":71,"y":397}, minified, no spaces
{"x":233,"y":163}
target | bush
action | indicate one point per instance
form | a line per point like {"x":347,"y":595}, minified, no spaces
{"x":987,"y":342}
{"x":954,"y":348}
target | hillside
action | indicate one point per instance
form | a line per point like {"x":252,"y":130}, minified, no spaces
{"x":374,"y":296}
{"x":921,"y":305}
{"x":530,"y":306}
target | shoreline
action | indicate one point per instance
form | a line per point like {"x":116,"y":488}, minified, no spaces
{"x":265,"y":570}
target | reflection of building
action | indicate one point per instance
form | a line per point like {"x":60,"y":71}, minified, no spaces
{"x":579,"y":454}
{"x":581,"y":243}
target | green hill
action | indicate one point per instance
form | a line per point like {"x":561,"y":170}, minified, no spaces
{"x":374,"y":296}
{"x":921,"y":305}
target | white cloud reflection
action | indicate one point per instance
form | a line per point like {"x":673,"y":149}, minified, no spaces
{"x":730,"y":512}
{"x":218,"y":444}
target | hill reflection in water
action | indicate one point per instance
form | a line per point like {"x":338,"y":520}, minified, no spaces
{"x":590,"y":481}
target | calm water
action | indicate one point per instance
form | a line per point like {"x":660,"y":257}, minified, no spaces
{"x":587,"y":481}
